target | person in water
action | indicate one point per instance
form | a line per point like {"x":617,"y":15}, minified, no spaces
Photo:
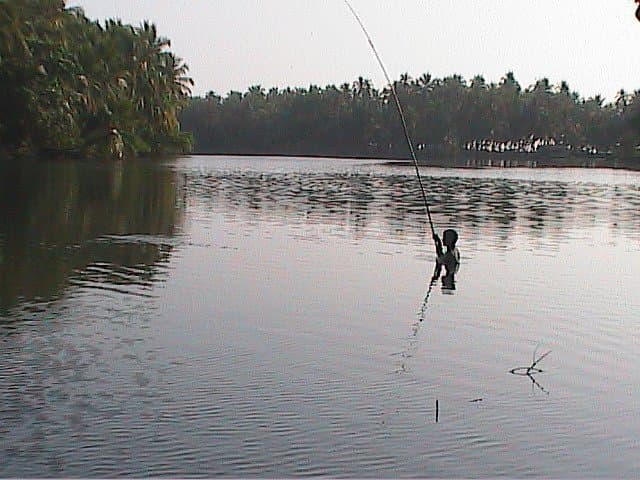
{"x":449,"y":259}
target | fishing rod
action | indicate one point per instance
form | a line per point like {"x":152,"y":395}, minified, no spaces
{"x":400,"y":112}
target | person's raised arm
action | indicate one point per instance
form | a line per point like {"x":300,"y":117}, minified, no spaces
{"x":438,"y":243}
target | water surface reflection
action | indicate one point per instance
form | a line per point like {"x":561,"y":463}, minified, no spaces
{"x":83,"y":224}
{"x":277,"y":317}
{"x":378,"y":201}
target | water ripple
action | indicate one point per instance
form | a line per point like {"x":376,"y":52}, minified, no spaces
{"x":278,"y":335}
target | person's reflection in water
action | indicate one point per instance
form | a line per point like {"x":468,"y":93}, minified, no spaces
{"x":450,"y":260}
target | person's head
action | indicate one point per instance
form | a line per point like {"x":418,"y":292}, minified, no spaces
{"x":449,"y":238}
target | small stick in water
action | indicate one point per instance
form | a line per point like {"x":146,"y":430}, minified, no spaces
{"x":437,"y":411}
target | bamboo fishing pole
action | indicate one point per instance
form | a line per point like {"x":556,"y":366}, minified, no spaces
{"x":400,"y":112}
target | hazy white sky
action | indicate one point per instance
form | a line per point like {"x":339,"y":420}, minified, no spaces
{"x":232,"y":44}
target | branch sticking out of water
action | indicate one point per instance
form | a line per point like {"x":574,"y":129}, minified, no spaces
{"x":531,"y":369}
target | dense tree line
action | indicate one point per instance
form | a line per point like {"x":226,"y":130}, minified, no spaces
{"x":443,"y":114}
{"x":71,"y":85}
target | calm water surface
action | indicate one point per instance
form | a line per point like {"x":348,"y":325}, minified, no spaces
{"x":274,"y":317}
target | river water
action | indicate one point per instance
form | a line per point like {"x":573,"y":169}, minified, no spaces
{"x":212,"y":316}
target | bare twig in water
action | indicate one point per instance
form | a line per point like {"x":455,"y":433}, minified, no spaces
{"x":532,"y":369}
{"x":534,"y":383}
{"x":539,"y":359}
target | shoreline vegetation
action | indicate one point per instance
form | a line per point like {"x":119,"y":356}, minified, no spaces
{"x":447,"y":117}
{"x":73,"y":87}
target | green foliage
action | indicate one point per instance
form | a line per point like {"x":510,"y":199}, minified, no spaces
{"x":442,"y":113}
{"x":68,"y":82}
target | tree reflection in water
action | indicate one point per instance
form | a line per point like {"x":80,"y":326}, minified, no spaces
{"x":390,"y":204}
{"x":54,"y":217}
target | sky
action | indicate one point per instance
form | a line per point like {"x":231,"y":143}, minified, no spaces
{"x":233,"y":44}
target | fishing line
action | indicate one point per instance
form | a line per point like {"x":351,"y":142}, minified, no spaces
{"x":400,"y":112}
